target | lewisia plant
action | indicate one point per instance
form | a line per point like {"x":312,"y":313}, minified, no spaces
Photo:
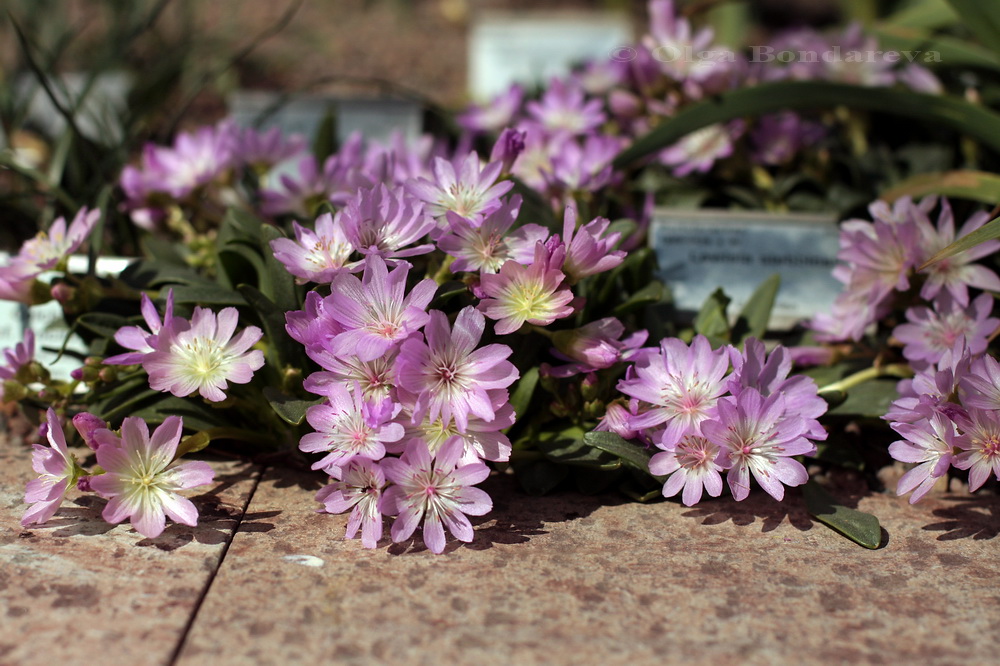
{"x":413,"y":320}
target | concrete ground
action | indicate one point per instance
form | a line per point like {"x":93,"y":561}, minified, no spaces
{"x":264,"y":579}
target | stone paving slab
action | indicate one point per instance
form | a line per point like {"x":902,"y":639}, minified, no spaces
{"x":80,"y":591}
{"x":575,"y":579}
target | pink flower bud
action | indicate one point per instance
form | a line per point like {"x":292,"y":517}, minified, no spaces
{"x":87,"y":424}
{"x":509,"y":145}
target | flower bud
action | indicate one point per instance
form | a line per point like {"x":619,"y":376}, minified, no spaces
{"x":509,"y":145}
{"x":62,"y":292}
{"x":87,"y":424}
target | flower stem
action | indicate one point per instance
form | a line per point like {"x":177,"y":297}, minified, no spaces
{"x":901,"y":370}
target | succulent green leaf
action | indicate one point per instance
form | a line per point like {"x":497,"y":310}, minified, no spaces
{"x":629,"y":453}
{"x":291,"y":410}
{"x":193,"y":444}
{"x":712,"y":321}
{"x":755,"y":315}
{"x":860,"y":527}
{"x":520,"y":398}
{"x":651,"y":293}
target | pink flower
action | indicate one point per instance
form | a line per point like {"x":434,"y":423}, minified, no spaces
{"x":141,"y":341}
{"x":44,"y":252}
{"x":57,"y":471}
{"x":980,"y":444}
{"x":930,"y":332}
{"x":385,"y":223}
{"x":16,"y":357}
{"x":315,"y":256}
{"x":693,"y":464}
{"x":594,"y":346}
{"x":534,"y":294}
{"x":981,"y":386}
{"x":350,"y":426}
{"x":87,"y":425}
{"x":376,"y":312}
{"x":495,"y":115}
{"x":588,"y":250}
{"x":473,"y":192}
{"x":880,"y":256}
{"x":262,"y":150}
{"x":139,"y":480}
{"x":956,"y":273}
{"x":449,"y":377}
{"x":758,"y":436}
{"x":482,"y":440}
{"x":202,"y":356}
{"x":930,"y":444}
{"x":564,"y":108}
{"x":375,"y":378}
{"x":681,"y":386}
{"x":359,"y":491}
{"x":483,"y":247}
{"x":438,"y":492}
{"x":698,"y":151}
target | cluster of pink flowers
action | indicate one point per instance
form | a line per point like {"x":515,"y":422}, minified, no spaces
{"x":948,"y":415}
{"x":572,"y":133}
{"x":44,"y":253}
{"x":720,"y":410}
{"x":137,"y":475}
{"x":188,"y":356}
{"x":880,"y":260}
{"x":399,"y":380}
{"x":413,"y":403}
{"x":210,"y":156}
{"x":944,"y":414}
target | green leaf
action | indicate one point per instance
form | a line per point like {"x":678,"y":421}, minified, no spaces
{"x":568,"y":447}
{"x":755,"y":315}
{"x":238,"y":264}
{"x":280,"y":283}
{"x":923,"y":14}
{"x":272,"y":319}
{"x":534,"y":208}
{"x":629,"y":453}
{"x":207,"y":295}
{"x":712,"y":321}
{"x":195,"y":413}
{"x":447,"y":292}
{"x":861,"y":528}
{"x":520,"y":398}
{"x":291,"y":410}
{"x":868,"y":399}
{"x":953,"y":52}
{"x":625,"y":227}
{"x":982,"y":17}
{"x":193,"y":444}
{"x":987,"y":232}
{"x":974,"y":185}
{"x":325,"y":143}
{"x":239,"y":225}
{"x":941,"y":110}
{"x":651,"y":293}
